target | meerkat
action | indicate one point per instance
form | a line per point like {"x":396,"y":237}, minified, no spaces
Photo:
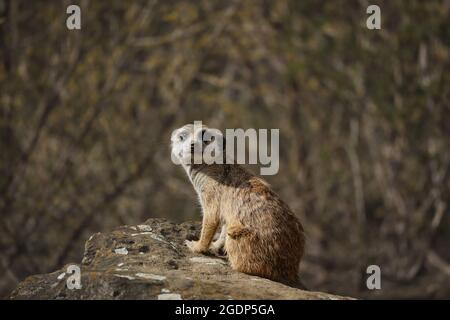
{"x":260,"y":234}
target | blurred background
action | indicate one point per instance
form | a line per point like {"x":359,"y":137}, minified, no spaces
{"x":364,"y":119}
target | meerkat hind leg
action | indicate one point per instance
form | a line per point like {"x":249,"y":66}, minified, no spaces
{"x":219,"y":244}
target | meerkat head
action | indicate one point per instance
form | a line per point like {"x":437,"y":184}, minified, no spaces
{"x":197,"y":144}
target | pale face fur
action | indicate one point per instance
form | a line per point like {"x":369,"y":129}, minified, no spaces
{"x":260,"y":234}
{"x":189,"y":142}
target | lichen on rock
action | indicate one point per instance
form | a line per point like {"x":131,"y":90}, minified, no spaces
{"x":150,"y":261}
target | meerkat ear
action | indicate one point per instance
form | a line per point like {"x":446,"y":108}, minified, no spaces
{"x":214,"y":150}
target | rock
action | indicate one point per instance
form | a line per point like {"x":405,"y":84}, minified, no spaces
{"x":150,"y":261}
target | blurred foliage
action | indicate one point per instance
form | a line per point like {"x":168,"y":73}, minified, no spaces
{"x":85,"y":120}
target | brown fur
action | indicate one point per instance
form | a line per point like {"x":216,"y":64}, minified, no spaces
{"x":262,"y":236}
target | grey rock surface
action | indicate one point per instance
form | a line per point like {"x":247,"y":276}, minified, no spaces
{"x":150,"y":261}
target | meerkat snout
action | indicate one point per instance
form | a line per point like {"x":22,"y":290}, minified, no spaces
{"x":260,"y":234}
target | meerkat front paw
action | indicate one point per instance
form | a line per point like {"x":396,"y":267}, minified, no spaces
{"x":194,"y":246}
